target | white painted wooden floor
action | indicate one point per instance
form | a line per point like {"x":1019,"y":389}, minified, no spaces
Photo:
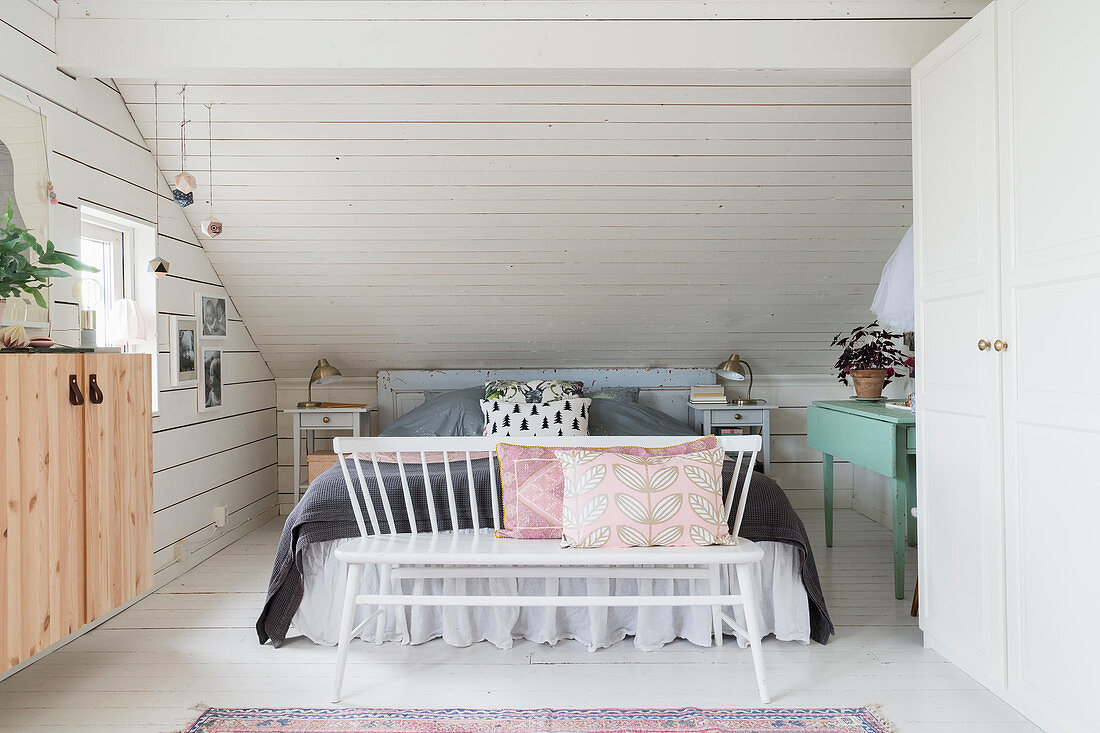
{"x":193,"y":644}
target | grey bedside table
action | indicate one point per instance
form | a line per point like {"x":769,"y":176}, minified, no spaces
{"x":308,"y":421}
{"x":753,"y":418}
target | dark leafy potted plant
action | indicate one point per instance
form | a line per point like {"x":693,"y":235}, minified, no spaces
{"x":26,"y":266}
{"x":871,"y":358}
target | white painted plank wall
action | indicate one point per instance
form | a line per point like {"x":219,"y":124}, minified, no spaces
{"x":99,"y":158}
{"x":584,"y":218}
{"x":795,"y":466}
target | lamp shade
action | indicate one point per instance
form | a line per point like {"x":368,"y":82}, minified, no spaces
{"x":324,"y":373}
{"x":893,"y":305}
{"x":732,"y":368}
{"x":125,"y":324}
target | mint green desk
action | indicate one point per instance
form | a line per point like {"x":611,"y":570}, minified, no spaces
{"x":878,"y":438}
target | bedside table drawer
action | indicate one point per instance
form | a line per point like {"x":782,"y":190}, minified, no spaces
{"x":725,"y":418}
{"x":328,"y":420}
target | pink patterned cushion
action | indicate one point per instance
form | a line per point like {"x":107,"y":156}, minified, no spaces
{"x":532,"y":484}
{"x":622,"y":500}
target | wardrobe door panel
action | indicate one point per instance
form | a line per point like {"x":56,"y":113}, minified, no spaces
{"x":119,"y":480}
{"x":1050,"y":112}
{"x":961,"y":540}
{"x":42,"y":520}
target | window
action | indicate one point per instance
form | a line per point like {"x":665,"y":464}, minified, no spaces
{"x":119,"y":248}
{"x":105,"y":249}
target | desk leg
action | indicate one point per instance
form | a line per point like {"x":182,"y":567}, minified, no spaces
{"x":296,"y":477}
{"x":901,"y":501}
{"x":766,"y":434}
{"x":911,"y":489}
{"x":706,"y":423}
{"x":827,"y":475}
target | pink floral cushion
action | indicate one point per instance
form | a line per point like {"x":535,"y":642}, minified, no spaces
{"x":532,"y":484}
{"x":624,"y":500}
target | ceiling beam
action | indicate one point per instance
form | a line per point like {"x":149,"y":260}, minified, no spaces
{"x":519,"y":9}
{"x":215,"y":49}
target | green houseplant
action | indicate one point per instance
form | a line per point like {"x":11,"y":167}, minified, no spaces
{"x":871,"y":358}
{"x":26,"y":266}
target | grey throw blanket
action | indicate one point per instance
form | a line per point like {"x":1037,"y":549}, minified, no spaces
{"x":325,"y":513}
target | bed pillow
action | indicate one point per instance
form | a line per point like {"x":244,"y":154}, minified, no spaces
{"x":537,"y":391}
{"x":616,"y":500}
{"x":531,"y":485}
{"x":622,"y":394}
{"x":456,"y":412}
{"x":560,"y":418}
{"x":614,"y":417}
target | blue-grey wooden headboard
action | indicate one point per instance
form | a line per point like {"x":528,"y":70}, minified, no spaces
{"x":663,"y":389}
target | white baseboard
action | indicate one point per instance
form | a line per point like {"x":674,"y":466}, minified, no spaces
{"x":872,"y":513}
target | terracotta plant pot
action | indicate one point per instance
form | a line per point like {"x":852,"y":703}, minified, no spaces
{"x":868,"y":382}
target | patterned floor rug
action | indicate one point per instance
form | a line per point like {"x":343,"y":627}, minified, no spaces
{"x":680,"y":720}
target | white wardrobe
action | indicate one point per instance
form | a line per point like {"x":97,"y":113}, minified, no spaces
{"x":1006,"y":128}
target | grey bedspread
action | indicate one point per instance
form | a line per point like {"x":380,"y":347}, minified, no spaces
{"x":325,"y":513}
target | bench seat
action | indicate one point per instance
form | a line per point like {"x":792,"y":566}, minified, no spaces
{"x":468,"y":548}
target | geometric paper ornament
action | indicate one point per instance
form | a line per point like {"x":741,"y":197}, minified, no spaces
{"x":211,"y":227}
{"x":158,"y":267}
{"x":184,"y":199}
{"x":185,"y":182}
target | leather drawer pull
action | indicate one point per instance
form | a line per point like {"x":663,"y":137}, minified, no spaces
{"x":76,"y":397}
{"x":95,"y":394}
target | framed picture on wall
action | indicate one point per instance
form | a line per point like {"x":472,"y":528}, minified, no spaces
{"x":184,"y":351}
{"x":210,"y":310}
{"x":210,"y":392}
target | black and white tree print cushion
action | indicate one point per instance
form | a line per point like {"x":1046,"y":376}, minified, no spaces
{"x":507,"y":419}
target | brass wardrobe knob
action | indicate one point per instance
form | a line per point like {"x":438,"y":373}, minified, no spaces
{"x":999,"y":345}
{"x":983,"y":345}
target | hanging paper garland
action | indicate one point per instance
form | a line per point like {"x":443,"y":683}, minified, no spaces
{"x":158,"y":265}
{"x":185,"y":182}
{"x":51,"y":195}
{"x":211,"y":227}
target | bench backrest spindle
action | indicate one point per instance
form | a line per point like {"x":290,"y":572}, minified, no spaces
{"x":456,"y":451}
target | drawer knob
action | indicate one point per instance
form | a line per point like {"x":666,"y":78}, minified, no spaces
{"x":737,"y":416}
{"x":324,"y":419}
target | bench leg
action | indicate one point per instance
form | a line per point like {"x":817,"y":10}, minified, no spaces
{"x":752,"y":625}
{"x":347,"y":620}
{"x":383,"y":589}
{"x":716,"y":611}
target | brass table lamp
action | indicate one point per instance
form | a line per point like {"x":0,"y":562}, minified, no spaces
{"x":735,"y":369}
{"x":323,"y":373}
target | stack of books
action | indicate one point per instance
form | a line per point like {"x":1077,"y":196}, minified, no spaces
{"x":708,"y":394}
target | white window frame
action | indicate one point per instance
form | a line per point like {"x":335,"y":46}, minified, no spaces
{"x":121,"y":278}
{"x":138,"y":246}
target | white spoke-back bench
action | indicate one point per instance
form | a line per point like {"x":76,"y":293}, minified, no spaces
{"x":427,"y":551}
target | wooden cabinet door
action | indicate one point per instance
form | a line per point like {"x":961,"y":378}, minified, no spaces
{"x":959,"y":474}
{"x":1050,"y":114}
{"x":118,"y":431}
{"x":42,"y":569}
